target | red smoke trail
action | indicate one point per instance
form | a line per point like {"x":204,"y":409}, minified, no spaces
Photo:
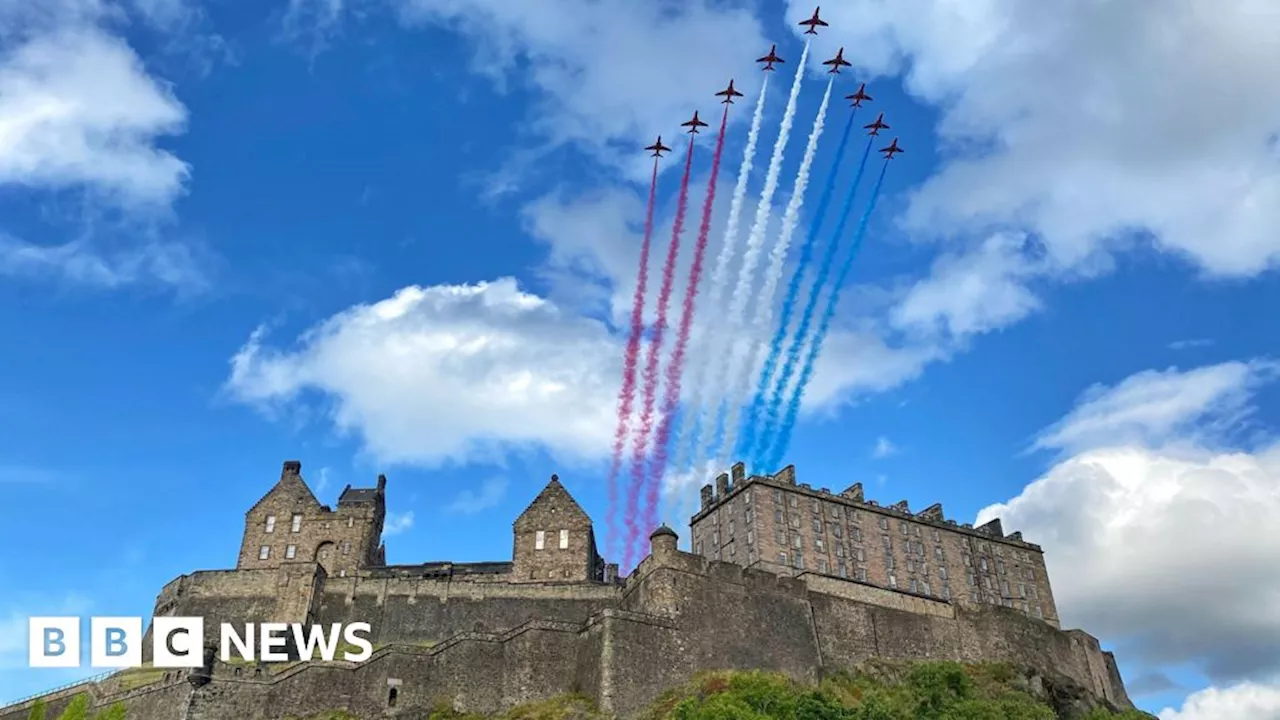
{"x":627,"y":395}
{"x":671,"y":393}
{"x":640,"y":445}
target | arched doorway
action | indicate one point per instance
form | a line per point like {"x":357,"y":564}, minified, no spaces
{"x":324,"y":556}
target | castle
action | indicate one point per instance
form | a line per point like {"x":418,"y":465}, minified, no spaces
{"x":783,"y":577}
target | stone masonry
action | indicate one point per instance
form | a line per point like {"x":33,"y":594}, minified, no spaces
{"x":555,"y":619}
{"x":772,"y":523}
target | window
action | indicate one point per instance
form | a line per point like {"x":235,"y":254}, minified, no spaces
{"x":342,"y":573}
{"x":777,"y":516}
{"x":792,"y":501}
{"x":297,"y":523}
{"x":816,"y":507}
{"x":968,"y":559}
{"x":264,"y":552}
{"x":779,"y":536}
{"x":839,"y":550}
{"x":746,"y":498}
{"x":902,"y":527}
{"x":887,"y":542}
{"x":731,"y":528}
{"x":697,"y":549}
{"x":1022,"y":590}
{"x":842,"y":569}
{"x":861,"y":574}
{"x":351,"y":522}
{"x":911,"y":565}
{"x":862,"y":555}
{"x":750,"y":516}
{"x":732,"y":550}
{"x":391,"y":697}
{"x":888,"y":562}
{"x":914,"y":587}
{"x":799,"y":561}
{"x":715,"y":539}
{"x":822,"y":565}
{"x":539,"y":540}
{"x":1000,"y":566}
{"x":290,"y":552}
{"x":837,"y":530}
{"x":1039,"y":612}
{"x":942,"y":572}
{"x":983,"y":563}
{"x":751,"y":537}
{"x":564,"y":539}
{"x":986,"y":582}
{"x":884,"y":523}
{"x":924,"y":568}
{"x":855,"y":516}
{"x":346,"y":546}
{"x":271,"y":523}
{"x":782,"y":558}
{"x":835,"y":513}
{"x":970,"y":578}
{"x":936,"y":537}
{"x":817,"y":525}
{"x":893,"y":581}
{"x":937,"y":551}
{"x":946,"y":592}
{"x":777,"y":496}
{"x":857,"y":534}
{"x":819,"y":545}
{"x":797,"y":542}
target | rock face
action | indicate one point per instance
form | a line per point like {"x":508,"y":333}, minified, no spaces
{"x":487,"y":636}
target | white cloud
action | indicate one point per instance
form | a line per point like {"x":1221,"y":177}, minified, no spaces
{"x":175,"y":264}
{"x":78,"y":110}
{"x":609,"y":72}
{"x":1154,"y":406}
{"x":1246,"y":700}
{"x":1163,"y":547}
{"x":1190,"y":344}
{"x":884,"y":448}
{"x":1115,"y":143}
{"x":471,"y":500}
{"x":448,"y":373}
{"x":397,"y":523}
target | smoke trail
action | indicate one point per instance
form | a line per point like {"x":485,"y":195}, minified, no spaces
{"x":627,"y":394}
{"x":793,"y":286}
{"x":755,"y":241}
{"x":828,"y":312}
{"x":777,"y":259}
{"x":769,"y":423}
{"x":671,"y":392}
{"x":641,"y":437}
{"x":695,"y":432}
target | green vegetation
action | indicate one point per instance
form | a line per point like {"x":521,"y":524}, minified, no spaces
{"x":78,"y":709}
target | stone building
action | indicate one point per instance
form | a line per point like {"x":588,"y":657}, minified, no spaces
{"x":556,"y":619}
{"x":772,"y":523}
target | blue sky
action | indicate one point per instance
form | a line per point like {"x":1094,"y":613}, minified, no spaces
{"x":392,"y":237}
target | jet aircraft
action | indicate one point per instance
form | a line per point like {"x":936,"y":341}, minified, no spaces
{"x":658,"y":148}
{"x":877,"y":126}
{"x":728,"y":94}
{"x":858,"y":97}
{"x":693,"y":124}
{"x":771,"y":58}
{"x":837,"y":62}
{"x":891,"y":149}
{"x":813,"y":23}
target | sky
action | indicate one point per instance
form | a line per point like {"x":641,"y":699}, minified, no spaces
{"x":401,"y":237}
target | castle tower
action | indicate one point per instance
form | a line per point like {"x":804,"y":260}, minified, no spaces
{"x":290,"y":525}
{"x":554,"y":540}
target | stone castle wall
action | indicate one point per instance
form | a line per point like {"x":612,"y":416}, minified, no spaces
{"x":485,"y":646}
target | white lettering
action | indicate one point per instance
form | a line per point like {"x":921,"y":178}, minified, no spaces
{"x":243,"y":646}
{"x":270,"y":641}
{"x":353,"y":638}
{"x":307,"y":645}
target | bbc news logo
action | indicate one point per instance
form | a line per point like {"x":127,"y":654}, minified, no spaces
{"x":178,"y":642}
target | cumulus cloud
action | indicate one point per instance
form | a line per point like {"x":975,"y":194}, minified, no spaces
{"x":1115,"y":143}
{"x":1246,"y":700}
{"x":1164,"y":547}
{"x":176,"y":264}
{"x":397,"y":523}
{"x":78,"y":110}
{"x":884,"y":448}
{"x":448,"y":373}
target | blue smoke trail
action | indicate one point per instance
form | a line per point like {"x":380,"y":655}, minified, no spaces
{"x":769,"y":419}
{"x":806,"y":374}
{"x":751,"y":418}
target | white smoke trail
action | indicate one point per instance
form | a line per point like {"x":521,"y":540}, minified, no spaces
{"x":763,"y":322}
{"x":709,"y":346}
{"x":746,"y":276}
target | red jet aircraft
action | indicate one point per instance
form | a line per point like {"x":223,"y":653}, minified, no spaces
{"x":658,"y":148}
{"x":877,"y":126}
{"x":771,"y":58}
{"x":814,"y":23}
{"x":694,"y":124}
{"x":837,"y":62}
{"x":891,"y":149}
{"x":728,"y":94}
{"x":858,"y":97}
